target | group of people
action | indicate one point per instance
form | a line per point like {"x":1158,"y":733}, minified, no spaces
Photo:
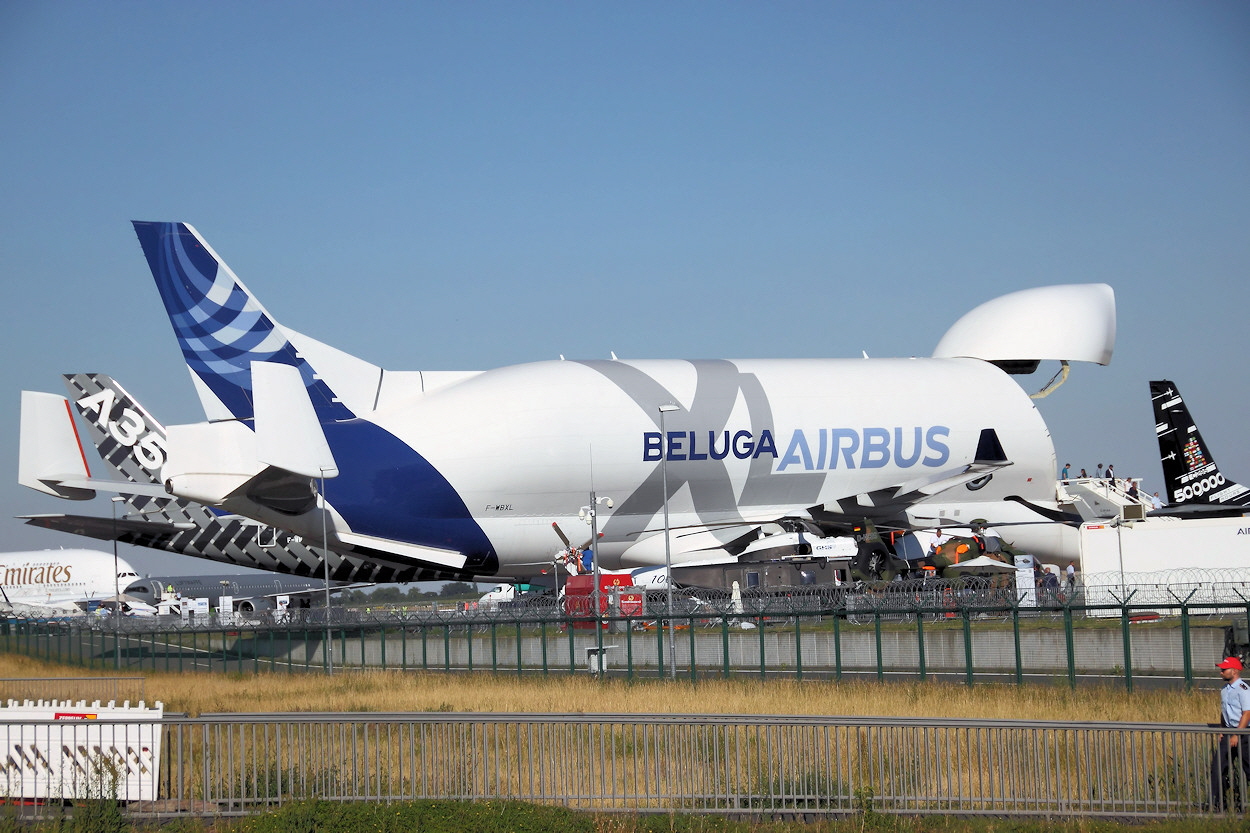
{"x":1099,"y":472}
{"x":1132,"y":487}
{"x":1047,"y":581}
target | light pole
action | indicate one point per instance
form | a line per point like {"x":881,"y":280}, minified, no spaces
{"x":117,"y":588}
{"x":117,"y":592}
{"x":1119,"y":524}
{"x":325,"y":557}
{"x":590,"y":514}
{"x":668,"y":407}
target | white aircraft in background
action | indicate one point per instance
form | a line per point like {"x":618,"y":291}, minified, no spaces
{"x":60,"y":582}
{"x":442,"y":474}
{"x":253,"y":593}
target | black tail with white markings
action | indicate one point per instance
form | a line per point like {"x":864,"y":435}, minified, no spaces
{"x":1190,"y":473}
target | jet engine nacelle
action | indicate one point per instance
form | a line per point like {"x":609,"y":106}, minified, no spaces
{"x":253,"y":605}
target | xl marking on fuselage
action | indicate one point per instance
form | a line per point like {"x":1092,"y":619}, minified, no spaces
{"x":403,"y":456}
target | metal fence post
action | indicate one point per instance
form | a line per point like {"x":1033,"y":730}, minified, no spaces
{"x":1015,"y":634}
{"x":876,"y":627}
{"x":1070,"y":641}
{"x":967,"y":622}
{"x":1186,"y":650}
{"x":542,"y":629}
{"x":760,"y":627}
{"x":693,"y":669}
{"x":920,"y":643}
{"x":798,"y":645}
{"x":837,"y":643}
{"x":1127,"y":644}
{"x":660,"y":626}
{"x":629,"y":649}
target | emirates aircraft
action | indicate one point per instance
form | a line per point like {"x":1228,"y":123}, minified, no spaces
{"x":439,"y":474}
{"x":60,"y":582}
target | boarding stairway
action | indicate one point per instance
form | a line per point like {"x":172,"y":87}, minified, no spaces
{"x":1100,"y":498}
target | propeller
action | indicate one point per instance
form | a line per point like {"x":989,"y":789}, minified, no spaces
{"x":570,"y":556}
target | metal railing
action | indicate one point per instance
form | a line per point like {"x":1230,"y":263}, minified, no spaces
{"x":237,"y":764}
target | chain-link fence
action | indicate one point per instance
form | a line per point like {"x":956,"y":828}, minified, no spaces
{"x":970,"y":630}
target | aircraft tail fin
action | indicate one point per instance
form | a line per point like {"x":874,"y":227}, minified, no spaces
{"x":50,"y":455}
{"x":1190,"y":472}
{"x":131,"y":446}
{"x":222,"y":329}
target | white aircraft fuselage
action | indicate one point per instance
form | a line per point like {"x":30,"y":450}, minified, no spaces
{"x":523,"y":446}
{"x":61,"y":578}
{"x":441,"y":474}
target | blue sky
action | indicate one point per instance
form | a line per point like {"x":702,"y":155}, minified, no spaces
{"x":468,"y":185}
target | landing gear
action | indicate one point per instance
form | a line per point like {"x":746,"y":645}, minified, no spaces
{"x":874,"y":562}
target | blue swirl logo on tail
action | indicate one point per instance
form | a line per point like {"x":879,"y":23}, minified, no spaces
{"x":220,"y":326}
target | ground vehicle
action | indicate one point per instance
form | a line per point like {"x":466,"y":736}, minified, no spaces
{"x":617,"y":597}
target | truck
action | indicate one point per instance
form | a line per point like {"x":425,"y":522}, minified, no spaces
{"x":617,"y":596}
{"x":1119,"y":554}
{"x":1158,"y":544}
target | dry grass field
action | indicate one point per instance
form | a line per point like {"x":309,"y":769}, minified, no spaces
{"x":394,"y":691}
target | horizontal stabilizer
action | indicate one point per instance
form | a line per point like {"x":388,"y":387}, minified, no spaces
{"x":121,"y":487}
{"x":144,"y":532}
{"x":50,"y":456}
{"x":422,"y":555}
{"x":288,"y":433}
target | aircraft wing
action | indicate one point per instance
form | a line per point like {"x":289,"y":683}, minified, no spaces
{"x":892,"y":501}
{"x":140,"y":533}
{"x":888,"y":504}
{"x":310,"y":591}
{"x":42,"y":609}
{"x":58,"y":607}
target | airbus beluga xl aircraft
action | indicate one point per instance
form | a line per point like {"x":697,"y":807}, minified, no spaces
{"x":460,"y":474}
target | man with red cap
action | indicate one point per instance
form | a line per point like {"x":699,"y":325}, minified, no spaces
{"x":1234,"y":714}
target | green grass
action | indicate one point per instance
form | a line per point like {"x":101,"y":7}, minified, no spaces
{"x":482,"y":817}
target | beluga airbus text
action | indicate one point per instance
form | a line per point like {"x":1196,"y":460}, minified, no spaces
{"x":461,"y":474}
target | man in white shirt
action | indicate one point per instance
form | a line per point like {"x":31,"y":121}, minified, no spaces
{"x":1234,"y":714}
